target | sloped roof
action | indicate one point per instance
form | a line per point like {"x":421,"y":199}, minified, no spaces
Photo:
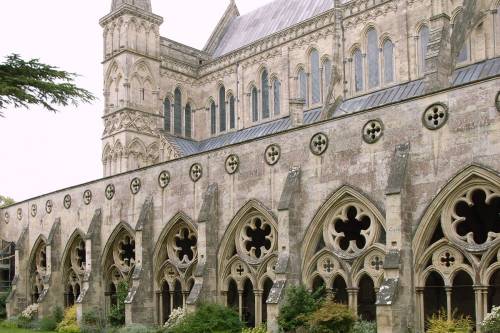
{"x":264,"y":21}
{"x":478,"y":71}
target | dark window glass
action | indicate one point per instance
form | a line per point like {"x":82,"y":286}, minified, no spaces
{"x":358,"y":70}
{"x":255,"y":107}
{"x":222,"y":109}
{"x":277,"y":97}
{"x":167,"y":120}
{"x":187,"y":121}
{"x":388,"y":62}
{"x":213,"y":119}
{"x":424,"y":41}
{"x":265,"y":94}
{"x":232,"y":113}
{"x":315,"y":77}
{"x":177,"y":112}
{"x":373,"y":59}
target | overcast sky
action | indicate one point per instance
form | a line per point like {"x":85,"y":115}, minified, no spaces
{"x":41,"y":152}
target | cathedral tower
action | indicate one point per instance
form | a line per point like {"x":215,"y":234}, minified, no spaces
{"x":132,"y":113}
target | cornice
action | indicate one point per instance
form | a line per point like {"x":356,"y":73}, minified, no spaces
{"x":131,"y":10}
{"x":358,"y":7}
{"x":363,"y":16}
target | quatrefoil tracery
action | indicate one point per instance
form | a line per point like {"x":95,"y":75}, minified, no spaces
{"x":110,"y":191}
{"x":232,"y":164}
{"x":135,"y":186}
{"x":67,"y":201}
{"x":272,"y":154}
{"x":435,"y":116}
{"x":373,"y":131}
{"x":196,"y":172}
{"x":87,"y":197}
{"x":319,"y":144}
{"x":164,"y":179}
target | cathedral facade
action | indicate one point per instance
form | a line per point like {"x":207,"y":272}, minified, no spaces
{"x":351,"y":145}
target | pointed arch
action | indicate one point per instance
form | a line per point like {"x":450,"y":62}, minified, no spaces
{"x":177,"y":111}
{"x":120,"y":227}
{"x":314,"y":64}
{"x":345,"y":195}
{"x":264,"y":84}
{"x":372,"y":56}
{"x":430,"y":218}
{"x":77,"y":233}
{"x":40,"y":241}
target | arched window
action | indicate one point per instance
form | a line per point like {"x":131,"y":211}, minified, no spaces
{"x":315,"y":77}
{"x":388,"y":51}
{"x":213,"y":118}
{"x":167,"y":114}
{"x":302,"y":85}
{"x":222,"y":109}
{"x":372,"y":53}
{"x":177,"y":112}
{"x":327,"y":73}
{"x":265,"y":94}
{"x":358,"y":70}
{"x":232,"y":113}
{"x":187,"y":121}
{"x":255,"y":106}
{"x":423,"y":37}
{"x":277,"y":96}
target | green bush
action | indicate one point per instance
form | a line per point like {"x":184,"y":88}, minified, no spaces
{"x":439,"y":323}
{"x":47,"y":324}
{"x":58,"y":314}
{"x":9,"y":323}
{"x":69,"y":324}
{"x":491,"y":323}
{"x":259,"y":329}
{"x":117,"y":313}
{"x":93,"y":322}
{"x":209,"y":318}
{"x":298,"y":304}
{"x":362,"y":326}
{"x":135,"y":328}
{"x":3,"y":305}
{"x":331,"y":317}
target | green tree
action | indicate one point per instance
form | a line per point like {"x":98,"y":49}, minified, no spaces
{"x":24,"y":83}
{"x":116,"y":316}
{"x":6,"y":201}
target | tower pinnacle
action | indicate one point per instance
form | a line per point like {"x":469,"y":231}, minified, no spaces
{"x":142,"y":4}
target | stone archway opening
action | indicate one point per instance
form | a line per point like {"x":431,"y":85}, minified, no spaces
{"x":366,"y":299}
{"x":339,"y":290}
{"x":462,"y":296}
{"x":232,"y":295}
{"x":177,"y":299}
{"x":434,"y":296}
{"x":318,"y":286}
{"x":248,"y":310}
{"x":494,"y":290}
{"x":267,"y":286}
{"x":165,"y":302}
{"x":70,"y":297}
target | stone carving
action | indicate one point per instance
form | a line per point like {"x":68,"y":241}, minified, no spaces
{"x":256,"y":238}
{"x":49,"y":206}
{"x":373,"y":131}
{"x":33,"y":210}
{"x":67,"y":201}
{"x":182,"y":245}
{"x":19,"y":214}
{"x":319,"y":144}
{"x":196,"y":172}
{"x":435,"y":116}
{"x":138,"y":121}
{"x":164,"y":179}
{"x":135,"y":186}
{"x":124,"y":252}
{"x":6,"y":217}
{"x":110,"y":191}
{"x":87,"y":197}
{"x":232,"y":164}
{"x":272,"y":154}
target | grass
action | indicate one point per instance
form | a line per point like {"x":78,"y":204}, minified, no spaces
{"x":19,"y":330}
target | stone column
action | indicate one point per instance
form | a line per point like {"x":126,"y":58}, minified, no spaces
{"x":353,"y":299}
{"x":240,"y":303}
{"x":448,"y":290}
{"x":420,"y":309}
{"x":258,"y":307}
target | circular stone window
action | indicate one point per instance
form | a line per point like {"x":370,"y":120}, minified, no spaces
{"x":497,"y":101}
{"x":319,"y":144}
{"x":49,"y":206}
{"x":6,"y":217}
{"x":182,"y":245}
{"x":196,"y":172}
{"x":164,"y":179}
{"x":19,"y":214}
{"x":87,"y":197}
{"x":256,"y":238}
{"x":272,"y":154}
{"x":232,"y":164}
{"x":110,"y":191}
{"x":373,"y":131}
{"x":67,"y":201}
{"x":435,"y":116}
{"x":135,"y":186}
{"x":33,"y":210}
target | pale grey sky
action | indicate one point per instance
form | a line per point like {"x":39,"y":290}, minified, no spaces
{"x":41,"y":152}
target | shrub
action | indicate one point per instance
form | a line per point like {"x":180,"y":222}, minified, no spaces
{"x":117,"y":313}
{"x":176,"y":317}
{"x":362,"y":326}
{"x":3,"y":304}
{"x":331,"y":317}
{"x":10,"y":323}
{"x":209,"y":318}
{"x":135,"y":328}
{"x":298,"y":304}
{"x":93,"y":322}
{"x":58,"y":314}
{"x":491,"y":323}
{"x":259,"y":329}
{"x":439,"y":323}
{"x":47,"y":324}
{"x":69,"y":324}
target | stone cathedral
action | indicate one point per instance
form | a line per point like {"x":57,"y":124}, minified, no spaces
{"x":352,"y":145}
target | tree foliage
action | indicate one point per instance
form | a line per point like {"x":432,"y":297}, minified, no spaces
{"x":298,"y":304}
{"x":116,"y":316}
{"x":6,"y":201}
{"x":24,"y":83}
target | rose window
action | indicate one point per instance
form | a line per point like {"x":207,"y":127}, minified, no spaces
{"x":78,"y":258}
{"x":125,"y":252}
{"x":185,"y":245}
{"x":257,"y":238}
{"x":476,"y":216}
{"x":350,"y":230}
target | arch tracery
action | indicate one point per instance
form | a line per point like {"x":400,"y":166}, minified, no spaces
{"x":74,"y":262}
